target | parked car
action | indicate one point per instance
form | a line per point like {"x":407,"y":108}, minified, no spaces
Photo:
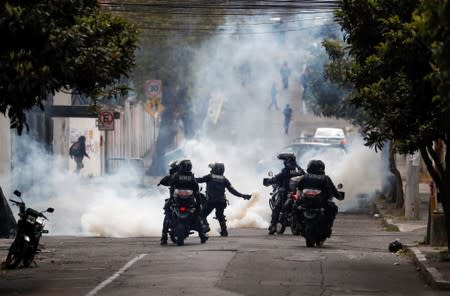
{"x":330,"y":135}
{"x":305,"y":151}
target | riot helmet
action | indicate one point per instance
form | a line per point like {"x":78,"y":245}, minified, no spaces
{"x":289,"y":160}
{"x":316,"y":166}
{"x":173,"y":167}
{"x":217,"y":168}
{"x":185,"y":166}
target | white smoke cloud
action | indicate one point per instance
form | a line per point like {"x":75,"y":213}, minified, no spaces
{"x":244,"y":133}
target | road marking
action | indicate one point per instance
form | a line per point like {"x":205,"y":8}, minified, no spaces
{"x":115,"y":275}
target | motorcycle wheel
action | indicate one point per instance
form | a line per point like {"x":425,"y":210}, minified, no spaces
{"x":295,"y":229}
{"x":14,"y":256}
{"x":180,"y":234}
{"x":309,"y":235}
{"x":28,"y":256}
{"x":173,"y":237}
{"x":280,"y":228}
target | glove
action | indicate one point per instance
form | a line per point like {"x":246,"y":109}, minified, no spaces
{"x":247,"y":196}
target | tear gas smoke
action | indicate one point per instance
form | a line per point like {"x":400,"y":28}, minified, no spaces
{"x":238,"y":131}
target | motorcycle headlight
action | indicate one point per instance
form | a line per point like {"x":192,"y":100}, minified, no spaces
{"x":31,"y":219}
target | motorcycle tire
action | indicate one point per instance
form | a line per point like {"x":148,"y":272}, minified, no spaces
{"x":28,"y":256}
{"x":309,"y":236}
{"x":180,"y":234}
{"x":295,"y":228}
{"x":271,"y":204}
{"x":280,"y":228}
{"x":172,"y":237}
{"x":14,"y":256}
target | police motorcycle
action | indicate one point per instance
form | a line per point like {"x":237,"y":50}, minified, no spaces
{"x":185,"y":216}
{"x":288,"y":215}
{"x":311,"y":216}
{"x":283,"y":196}
{"x":285,"y":217}
{"x":30,"y":228}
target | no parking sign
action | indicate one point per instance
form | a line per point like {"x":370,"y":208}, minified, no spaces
{"x":106,"y":120}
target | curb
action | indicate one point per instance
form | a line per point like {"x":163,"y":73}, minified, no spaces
{"x":432,"y":276}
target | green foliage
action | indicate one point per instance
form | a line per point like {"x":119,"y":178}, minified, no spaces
{"x":56,"y":44}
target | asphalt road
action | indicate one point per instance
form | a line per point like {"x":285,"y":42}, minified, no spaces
{"x":355,"y":261}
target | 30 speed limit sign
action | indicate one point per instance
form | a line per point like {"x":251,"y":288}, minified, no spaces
{"x":106,"y":120}
{"x":153,"y":88}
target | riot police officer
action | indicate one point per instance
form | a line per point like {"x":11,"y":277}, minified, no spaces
{"x":315,"y":178}
{"x":173,"y":168}
{"x":281,"y":180}
{"x":216,"y":183}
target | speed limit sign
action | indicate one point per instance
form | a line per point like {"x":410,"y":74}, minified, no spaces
{"x":106,"y":120}
{"x":153,"y":88}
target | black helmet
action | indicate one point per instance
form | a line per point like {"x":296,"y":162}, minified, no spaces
{"x":316,"y":166}
{"x":217,"y":168}
{"x":185,"y":166}
{"x":173,"y":167}
{"x":289,"y":160}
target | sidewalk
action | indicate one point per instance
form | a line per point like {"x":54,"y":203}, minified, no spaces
{"x":413,"y":231}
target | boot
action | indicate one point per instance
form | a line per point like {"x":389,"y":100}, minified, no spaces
{"x":203,"y":238}
{"x":223,"y":227}
{"x":163,"y":239}
{"x":272,"y":229}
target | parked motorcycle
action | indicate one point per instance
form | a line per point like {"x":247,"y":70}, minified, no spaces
{"x":184,"y":217}
{"x":30,"y":228}
{"x":313,"y":222}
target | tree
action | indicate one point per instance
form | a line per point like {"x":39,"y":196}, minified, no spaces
{"x":339,"y":69}
{"x":60,"y":44}
{"x":399,"y":62}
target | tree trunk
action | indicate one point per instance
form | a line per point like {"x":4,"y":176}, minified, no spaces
{"x":445,"y":195}
{"x":398,"y":198}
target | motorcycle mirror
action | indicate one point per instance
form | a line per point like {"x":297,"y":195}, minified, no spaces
{"x":17,"y":193}
{"x":50,"y":210}
{"x":270,"y":173}
{"x":340,"y":186}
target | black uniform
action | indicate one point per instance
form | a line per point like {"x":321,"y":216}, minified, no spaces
{"x":165,"y":181}
{"x":316,"y":179}
{"x":282,"y":181}
{"x":215,"y":195}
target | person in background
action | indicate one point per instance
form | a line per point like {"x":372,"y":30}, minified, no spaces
{"x":273,"y":93}
{"x":78,"y":151}
{"x":285,"y":72}
{"x":287,"y":112}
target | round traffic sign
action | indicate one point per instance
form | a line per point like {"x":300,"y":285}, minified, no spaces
{"x":153,"y":88}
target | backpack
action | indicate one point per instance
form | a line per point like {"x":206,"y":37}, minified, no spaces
{"x":75,"y":149}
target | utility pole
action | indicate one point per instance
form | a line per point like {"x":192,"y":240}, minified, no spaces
{"x":412,"y":199}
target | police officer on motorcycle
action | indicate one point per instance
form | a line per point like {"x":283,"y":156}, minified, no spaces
{"x":315,"y":178}
{"x":173,"y":168}
{"x":216,"y":183}
{"x":183,"y":178}
{"x":291,"y":169}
